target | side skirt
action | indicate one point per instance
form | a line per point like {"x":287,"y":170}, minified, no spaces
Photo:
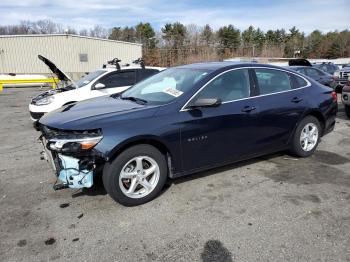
{"x":196,"y":170}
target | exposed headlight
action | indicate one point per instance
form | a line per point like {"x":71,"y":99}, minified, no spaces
{"x":45,"y":101}
{"x":74,"y":144}
{"x":336,"y":74}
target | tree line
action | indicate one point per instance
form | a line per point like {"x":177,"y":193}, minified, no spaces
{"x":176,"y":43}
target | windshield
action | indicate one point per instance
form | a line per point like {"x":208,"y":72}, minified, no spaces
{"x":89,"y":77}
{"x":165,"y":86}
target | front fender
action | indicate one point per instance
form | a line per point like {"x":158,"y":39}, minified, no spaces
{"x":156,"y":141}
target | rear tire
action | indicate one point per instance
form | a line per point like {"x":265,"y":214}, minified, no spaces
{"x":136,"y":176}
{"x":306,"y":137}
{"x":347,"y":110}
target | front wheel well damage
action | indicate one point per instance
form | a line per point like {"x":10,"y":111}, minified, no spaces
{"x":148,"y":141}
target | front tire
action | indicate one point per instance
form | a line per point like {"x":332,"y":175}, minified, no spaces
{"x":136,"y":176}
{"x":347,"y":110}
{"x":306,"y":137}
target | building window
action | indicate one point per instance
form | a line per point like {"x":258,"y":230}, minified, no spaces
{"x":83,"y":57}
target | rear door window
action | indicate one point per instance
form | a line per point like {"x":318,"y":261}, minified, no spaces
{"x":119,"y":79}
{"x":272,"y":81}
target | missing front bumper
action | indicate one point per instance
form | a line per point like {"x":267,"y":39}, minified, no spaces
{"x":72,"y":172}
{"x":72,"y":175}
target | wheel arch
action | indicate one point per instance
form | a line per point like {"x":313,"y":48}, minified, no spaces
{"x":315,"y":113}
{"x":320,"y":117}
{"x":154,"y":141}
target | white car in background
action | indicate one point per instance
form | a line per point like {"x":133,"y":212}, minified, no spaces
{"x":104,"y":81}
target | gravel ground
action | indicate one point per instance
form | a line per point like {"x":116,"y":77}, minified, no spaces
{"x":274,"y":208}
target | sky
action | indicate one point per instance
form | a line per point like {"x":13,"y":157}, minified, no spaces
{"x":306,"y":15}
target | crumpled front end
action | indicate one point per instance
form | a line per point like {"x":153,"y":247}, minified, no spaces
{"x":72,"y":156}
{"x":73,"y":174}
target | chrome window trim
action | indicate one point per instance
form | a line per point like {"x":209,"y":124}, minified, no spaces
{"x":183,"y":109}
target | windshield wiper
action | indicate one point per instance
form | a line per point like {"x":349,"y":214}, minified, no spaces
{"x":135,"y":99}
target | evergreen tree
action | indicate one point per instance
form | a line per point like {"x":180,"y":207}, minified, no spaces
{"x":145,"y":34}
{"x":229,"y":37}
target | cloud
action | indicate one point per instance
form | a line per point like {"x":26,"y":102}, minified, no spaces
{"x":306,"y":15}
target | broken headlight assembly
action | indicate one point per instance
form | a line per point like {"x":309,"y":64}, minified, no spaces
{"x":76,"y":143}
{"x":73,"y":155}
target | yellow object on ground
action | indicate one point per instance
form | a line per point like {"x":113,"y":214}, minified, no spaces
{"x":52,"y":81}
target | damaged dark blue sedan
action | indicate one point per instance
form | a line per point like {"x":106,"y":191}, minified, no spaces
{"x":184,"y":120}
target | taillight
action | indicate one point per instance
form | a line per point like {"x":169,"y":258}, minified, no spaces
{"x":334,"y":96}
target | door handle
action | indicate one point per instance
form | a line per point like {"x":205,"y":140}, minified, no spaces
{"x":296,"y":100}
{"x":248,"y":109}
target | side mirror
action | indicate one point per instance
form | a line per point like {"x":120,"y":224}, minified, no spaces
{"x":206,"y":102}
{"x":99,"y":86}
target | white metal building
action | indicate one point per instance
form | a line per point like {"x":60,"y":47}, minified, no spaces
{"x":71,"y":53}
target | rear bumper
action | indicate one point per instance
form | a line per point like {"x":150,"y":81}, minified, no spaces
{"x":330,"y":118}
{"x":329,"y":128}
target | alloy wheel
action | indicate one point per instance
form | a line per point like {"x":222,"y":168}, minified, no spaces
{"x":309,"y":137}
{"x":139,"y":177}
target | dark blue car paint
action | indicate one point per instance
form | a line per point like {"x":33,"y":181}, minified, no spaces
{"x":199,"y":139}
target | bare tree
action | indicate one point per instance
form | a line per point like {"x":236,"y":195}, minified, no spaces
{"x":45,"y":27}
{"x":99,"y":31}
{"x":84,"y":32}
{"x":193,"y":35}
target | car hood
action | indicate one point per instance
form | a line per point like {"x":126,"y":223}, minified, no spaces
{"x":51,"y":92}
{"x":55,"y":70}
{"x":95,"y":113}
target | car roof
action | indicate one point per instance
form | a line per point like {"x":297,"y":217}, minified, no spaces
{"x":111,"y":69}
{"x":296,"y":67}
{"x":224,"y":65}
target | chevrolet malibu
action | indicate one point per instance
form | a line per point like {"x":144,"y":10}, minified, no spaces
{"x":184,"y":120}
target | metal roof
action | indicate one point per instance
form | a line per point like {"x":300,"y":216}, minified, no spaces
{"x":69,"y":35}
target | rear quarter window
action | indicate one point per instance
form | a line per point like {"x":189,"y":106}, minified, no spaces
{"x":272,"y":81}
{"x":298,"y":82}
